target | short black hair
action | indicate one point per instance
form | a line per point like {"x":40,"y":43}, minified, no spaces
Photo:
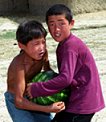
{"x":29,"y":30}
{"x":59,"y":9}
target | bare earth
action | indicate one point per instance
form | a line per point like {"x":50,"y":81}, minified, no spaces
{"x":90,"y":27}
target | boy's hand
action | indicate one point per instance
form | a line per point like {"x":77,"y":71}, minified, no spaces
{"x":28,"y":91}
{"x":56,"y":107}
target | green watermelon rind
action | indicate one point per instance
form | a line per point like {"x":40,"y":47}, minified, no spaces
{"x":47,"y":100}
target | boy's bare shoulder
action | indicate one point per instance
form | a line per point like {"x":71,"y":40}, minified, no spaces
{"x":17,"y":61}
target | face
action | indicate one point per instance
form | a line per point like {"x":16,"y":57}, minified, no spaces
{"x":35,"y":48}
{"x":59,"y":27}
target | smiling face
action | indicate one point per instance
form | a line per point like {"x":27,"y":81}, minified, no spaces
{"x":59,"y":27}
{"x":35,"y":48}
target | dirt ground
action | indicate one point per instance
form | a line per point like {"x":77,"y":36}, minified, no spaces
{"x":90,"y":27}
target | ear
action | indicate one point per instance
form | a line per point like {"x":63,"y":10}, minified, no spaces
{"x":20,"y":45}
{"x":72,"y":22}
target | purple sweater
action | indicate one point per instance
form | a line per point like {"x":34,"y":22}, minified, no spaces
{"x":78,"y":71}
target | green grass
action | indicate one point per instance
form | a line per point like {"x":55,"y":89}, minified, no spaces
{"x":7,"y":35}
{"x":8,"y":47}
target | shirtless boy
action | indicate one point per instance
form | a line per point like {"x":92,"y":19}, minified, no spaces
{"x":31,"y":60}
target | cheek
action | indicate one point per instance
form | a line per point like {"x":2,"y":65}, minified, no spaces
{"x":51,"y":30}
{"x":66,"y":30}
{"x":32,"y":50}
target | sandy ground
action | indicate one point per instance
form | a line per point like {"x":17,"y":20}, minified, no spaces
{"x":90,"y":27}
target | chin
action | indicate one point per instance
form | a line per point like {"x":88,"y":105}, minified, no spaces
{"x":39,"y":58}
{"x":58,"y":40}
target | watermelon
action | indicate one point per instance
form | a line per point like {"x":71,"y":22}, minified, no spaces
{"x":47,"y":100}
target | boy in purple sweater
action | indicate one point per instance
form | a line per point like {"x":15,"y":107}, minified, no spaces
{"x":77,"y":70}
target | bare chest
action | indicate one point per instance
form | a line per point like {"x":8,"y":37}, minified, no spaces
{"x":32,"y":69}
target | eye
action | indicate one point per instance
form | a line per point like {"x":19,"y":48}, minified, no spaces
{"x":62,"y":23}
{"x":43,"y":41}
{"x":51,"y":24}
{"x":37,"y":43}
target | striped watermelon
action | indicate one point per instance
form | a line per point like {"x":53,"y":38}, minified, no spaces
{"x":61,"y":96}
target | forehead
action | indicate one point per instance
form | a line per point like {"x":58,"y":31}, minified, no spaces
{"x":54,"y":18}
{"x":37,"y":40}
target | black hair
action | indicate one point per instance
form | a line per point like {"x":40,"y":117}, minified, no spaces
{"x":29,"y":30}
{"x":59,"y":9}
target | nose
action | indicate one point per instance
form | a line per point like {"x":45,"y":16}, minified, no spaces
{"x":57,"y":27}
{"x":42,"y":47}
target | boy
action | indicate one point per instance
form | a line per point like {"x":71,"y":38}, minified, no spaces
{"x":30,"y":61}
{"x":77,"y":69}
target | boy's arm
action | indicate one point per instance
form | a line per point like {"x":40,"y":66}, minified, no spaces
{"x":23,"y":103}
{"x":63,"y":80}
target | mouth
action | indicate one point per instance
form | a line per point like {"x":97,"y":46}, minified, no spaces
{"x":41,"y":54}
{"x":57,"y":35}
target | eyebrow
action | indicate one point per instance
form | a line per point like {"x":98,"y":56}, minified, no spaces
{"x":57,"y":20}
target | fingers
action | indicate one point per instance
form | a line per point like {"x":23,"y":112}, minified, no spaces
{"x":62,"y":106}
{"x":58,"y":106}
{"x":28,"y":91}
{"x":60,"y":103}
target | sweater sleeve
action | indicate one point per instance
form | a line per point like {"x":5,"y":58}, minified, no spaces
{"x":63,"y":80}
